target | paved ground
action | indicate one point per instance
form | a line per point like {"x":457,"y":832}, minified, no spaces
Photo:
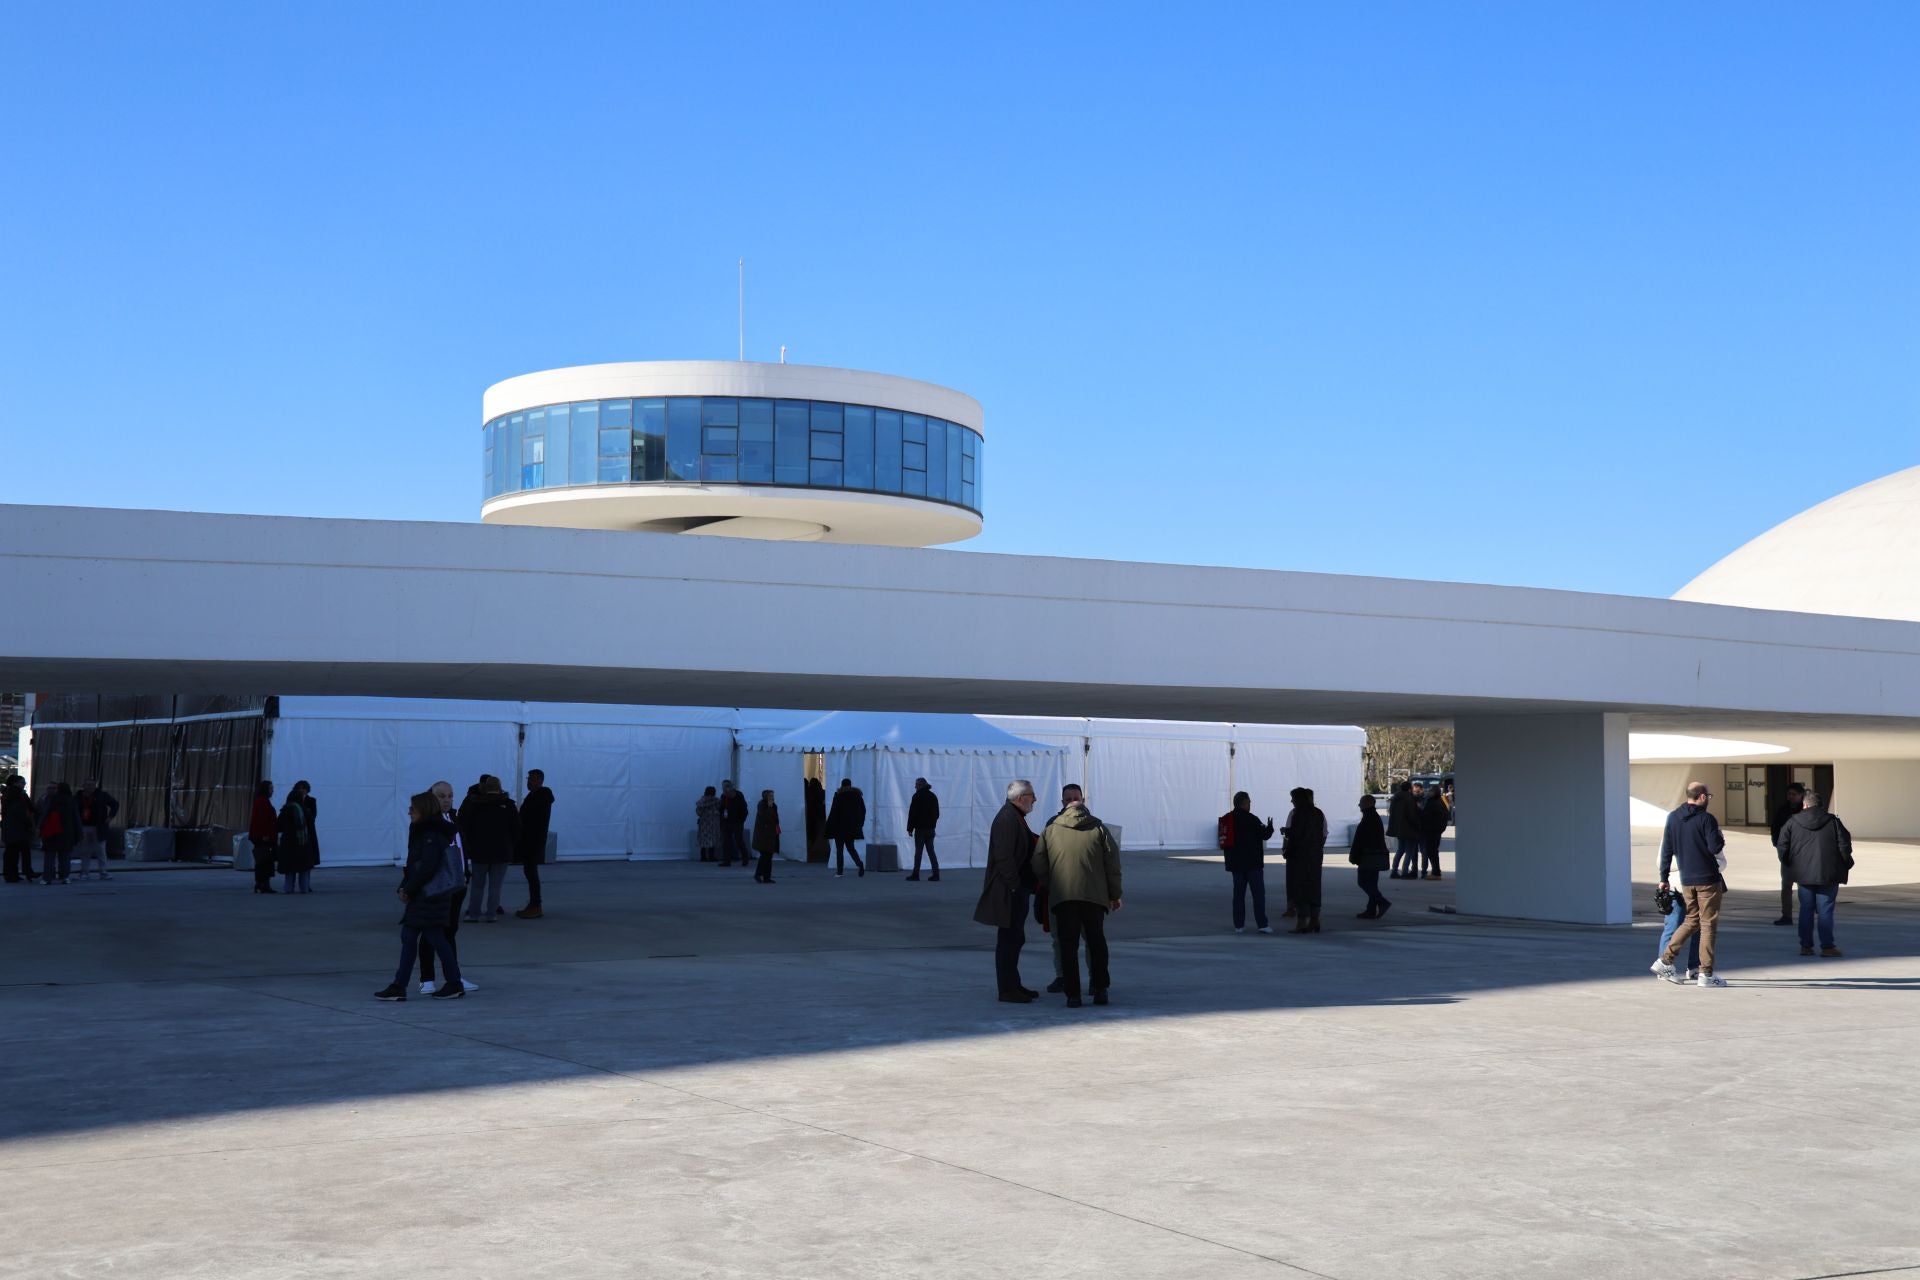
{"x":680,"y":1073}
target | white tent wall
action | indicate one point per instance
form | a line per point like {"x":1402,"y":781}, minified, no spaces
{"x":626,"y":790}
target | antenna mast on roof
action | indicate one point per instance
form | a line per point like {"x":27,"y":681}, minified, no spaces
{"x":743,"y":308}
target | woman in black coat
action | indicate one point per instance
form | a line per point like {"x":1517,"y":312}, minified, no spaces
{"x":299,"y":843}
{"x":766,"y":836}
{"x":1304,"y":846}
{"x":1434,"y":817}
{"x":427,"y":888}
{"x":1369,"y":854}
{"x":847,"y":824}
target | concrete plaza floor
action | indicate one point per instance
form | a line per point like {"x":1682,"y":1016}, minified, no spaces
{"x":681,"y":1073}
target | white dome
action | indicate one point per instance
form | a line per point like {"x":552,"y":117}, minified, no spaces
{"x":1851,"y":555}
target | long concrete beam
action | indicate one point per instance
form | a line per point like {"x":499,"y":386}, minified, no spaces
{"x":149,"y":601}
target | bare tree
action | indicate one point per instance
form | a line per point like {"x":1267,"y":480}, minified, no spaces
{"x":1394,"y":751}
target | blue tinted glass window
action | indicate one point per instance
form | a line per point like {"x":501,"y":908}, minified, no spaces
{"x":826,"y":444}
{"x":826,"y":417}
{"x":914,"y":482}
{"x":967,"y":442}
{"x":502,"y":441}
{"x":585,"y":416}
{"x":486,"y":464}
{"x":859,"y":448}
{"x":516,"y":434}
{"x":725,"y":470}
{"x":886,"y":451}
{"x":913,"y":457}
{"x":616,"y":453}
{"x":955,"y":459}
{"x":719,"y":411}
{"x":967,"y":465}
{"x":936,"y":458}
{"x":616,"y":413}
{"x":719,"y":439}
{"x":559,"y":429}
{"x":756,"y":420}
{"x":979,"y":472}
{"x":824,"y":474}
{"x":756,"y":458}
{"x":913,"y":427}
{"x":683,"y":438}
{"x":789,"y":442}
{"x":649,"y":439}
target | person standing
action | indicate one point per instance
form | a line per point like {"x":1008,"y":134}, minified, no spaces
{"x":59,"y":828}
{"x":1069,"y":793}
{"x":1368,"y":853}
{"x":733,"y":824}
{"x":1403,"y":825}
{"x":96,"y":821}
{"x":766,"y":836}
{"x":294,"y":848}
{"x":1693,"y":840}
{"x":427,"y":886}
{"x":847,"y":824}
{"x":489,"y":834}
{"x":1304,"y":845}
{"x":1078,"y":861}
{"x":1007,"y":889}
{"x":17,"y":819}
{"x":816,"y":815}
{"x":442,"y":793}
{"x":1245,"y":854}
{"x":1776,"y":822}
{"x":923,"y":815}
{"x":263,"y":831}
{"x":1434,"y":817}
{"x":1816,"y":852}
{"x":706,"y":825}
{"x":536,"y":819}
{"x":303,"y":790}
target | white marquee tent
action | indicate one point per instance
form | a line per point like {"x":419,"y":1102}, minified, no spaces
{"x":967,"y":761}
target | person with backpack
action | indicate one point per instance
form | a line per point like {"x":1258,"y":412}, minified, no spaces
{"x":1304,"y":846}
{"x":427,"y":887}
{"x":1368,"y":853}
{"x":1243,"y":845}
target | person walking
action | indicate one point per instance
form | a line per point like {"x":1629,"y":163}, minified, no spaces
{"x":96,"y":821}
{"x":1304,"y":846}
{"x":1368,"y":853}
{"x":1434,"y":817}
{"x":1816,"y":852}
{"x":1403,"y":826}
{"x":847,"y":824}
{"x":733,"y":824}
{"x":442,"y":793}
{"x":1776,"y":822}
{"x":59,"y":830}
{"x":1008,"y":887}
{"x":1078,"y":862}
{"x":263,"y":831}
{"x":1694,"y":841}
{"x":536,"y":819}
{"x":923,"y":815}
{"x":1675,"y":915}
{"x":489,"y":834}
{"x":766,"y":836}
{"x":1245,"y":854}
{"x":18,"y":817}
{"x":706,"y":825}
{"x":293,"y":851}
{"x":427,"y":886}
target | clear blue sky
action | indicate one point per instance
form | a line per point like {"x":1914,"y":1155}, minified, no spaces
{"x":1568,"y":295}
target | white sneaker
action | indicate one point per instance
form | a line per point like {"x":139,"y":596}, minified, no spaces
{"x":1661,"y":969}
{"x":1712,"y":980}
{"x":1239,"y":928}
{"x":1266,"y":928}
{"x":471,"y":986}
{"x":428,"y":988}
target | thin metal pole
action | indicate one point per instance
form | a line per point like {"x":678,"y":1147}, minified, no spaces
{"x":743,"y":309}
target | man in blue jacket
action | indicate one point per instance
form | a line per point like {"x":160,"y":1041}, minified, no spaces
{"x":1693,"y":840}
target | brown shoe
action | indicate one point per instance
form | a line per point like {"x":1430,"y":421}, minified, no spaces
{"x":1434,"y":876}
{"x":1831,"y":953}
{"x":1287,"y":914}
{"x":1806,"y":951}
{"x":529,"y":913}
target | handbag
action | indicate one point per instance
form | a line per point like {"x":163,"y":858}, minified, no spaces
{"x":1664,"y":899}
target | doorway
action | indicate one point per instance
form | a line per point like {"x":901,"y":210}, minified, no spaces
{"x":813,"y":771}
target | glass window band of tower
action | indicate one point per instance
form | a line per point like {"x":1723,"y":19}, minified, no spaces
{"x":812,"y":444}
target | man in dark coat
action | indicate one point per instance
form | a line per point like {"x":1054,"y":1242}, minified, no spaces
{"x":489,"y":834}
{"x":733,"y":824}
{"x":1078,"y":861}
{"x":1246,"y":859}
{"x":1693,"y":841}
{"x":1368,"y":852}
{"x":1434,"y":817}
{"x":1776,"y":822}
{"x":923,"y":815}
{"x":1816,"y":853}
{"x":536,"y":816}
{"x":1009,"y":886}
{"x":1403,"y":826}
{"x":847,"y":824}
{"x":18,"y":821}
{"x":815,"y":806}
{"x":1303,"y":844}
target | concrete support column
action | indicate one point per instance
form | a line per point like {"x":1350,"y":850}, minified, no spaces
{"x":1544,"y":831}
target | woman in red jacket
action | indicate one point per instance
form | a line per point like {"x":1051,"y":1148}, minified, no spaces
{"x":263,"y":829}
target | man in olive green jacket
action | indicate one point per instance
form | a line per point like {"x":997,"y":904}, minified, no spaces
{"x":1079,"y":862}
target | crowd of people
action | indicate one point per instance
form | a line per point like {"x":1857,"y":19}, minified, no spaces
{"x":64,"y":824}
{"x":720,"y":827}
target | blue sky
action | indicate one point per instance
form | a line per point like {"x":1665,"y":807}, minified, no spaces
{"x":1566,"y":295}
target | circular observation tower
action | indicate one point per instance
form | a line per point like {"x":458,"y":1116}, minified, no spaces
{"x":735,"y":449}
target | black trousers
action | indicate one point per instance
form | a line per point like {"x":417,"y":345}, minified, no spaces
{"x":532,"y":869}
{"x":765,"y":870}
{"x":842,"y":850}
{"x":453,"y":927}
{"x":923,"y":843}
{"x":1071,"y":920}
{"x":733,"y":843}
{"x":1303,"y":884}
{"x":1006,"y":946}
{"x":1370,"y":885}
{"x":1430,"y":851}
{"x":262,"y":865}
{"x":19,"y":860}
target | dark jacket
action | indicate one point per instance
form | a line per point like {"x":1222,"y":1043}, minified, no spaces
{"x":1305,"y":835}
{"x":1369,"y":849}
{"x":1434,"y":814}
{"x":1077,"y":860}
{"x":733,"y":807}
{"x":923,"y":812}
{"x":19,"y":818}
{"x":97,"y":810}
{"x":1403,"y":815}
{"x":1782,"y":811}
{"x":489,"y":826}
{"x":847,"y":818}
{"x":1009,"y":870}
{"x":429,"y":880}
{"x":1816,"y":848}
{"x":766,"y":828}
{"x":294,"y":850}
{"x":312,"y":807}
{"x":1693,"y":840}
{"x":69,"y":823}
{"x":1250,"y":836}
{"x":536,"y":816}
